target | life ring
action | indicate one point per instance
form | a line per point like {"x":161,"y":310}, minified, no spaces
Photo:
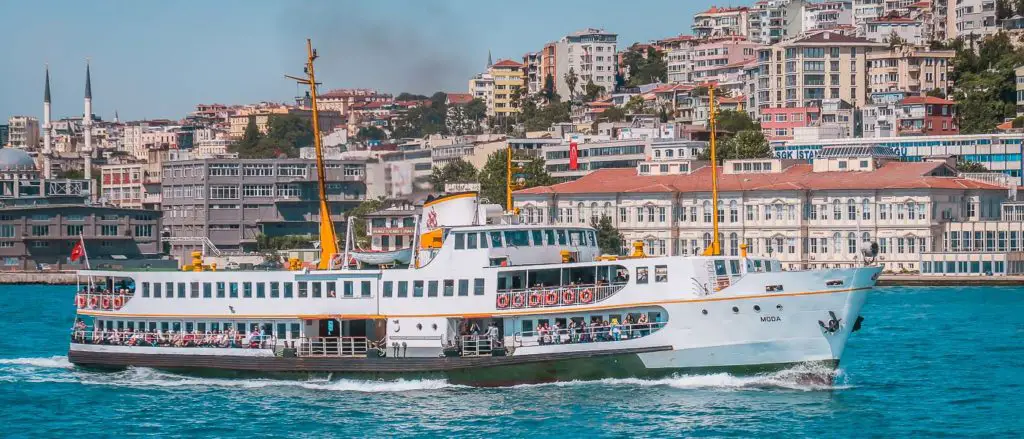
{"x":93,"y":301}
{"x":568,"y":297}
{"x":551,"y":298}
{"x":502,"y":301}
{"x":586,"y":296}
{"x":535,"y":298}
{"x":106,"y":303}
{"x":517,"y":300}
{"x":118,"y":302}
{"x":81,"y":301}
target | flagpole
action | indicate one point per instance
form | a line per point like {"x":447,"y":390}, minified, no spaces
{"x":84,"y":251}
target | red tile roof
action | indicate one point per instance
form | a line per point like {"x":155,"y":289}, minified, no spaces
{"x":893,"y":175}
{"x":718,"y":10}
{"x":506,"y":63}
{"x":932,"y":100}
{"x":459,"y":98}
{"x":732,"y":100}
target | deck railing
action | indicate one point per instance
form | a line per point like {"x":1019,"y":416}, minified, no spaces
{"x":547,"y":297}
{"x":172,"y":339}
{"x":586,"y":334}
{"x":477,"y":345}
{"x":333,"y":347}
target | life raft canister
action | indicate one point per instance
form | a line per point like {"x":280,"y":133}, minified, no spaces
{"x":118,"y":302}
{"x":535,"y":298}
{"x":502,"y":301}
{"x":552,"y":298}
{"x":81,"y":301}
{"x":586,"y":296}
{"x":568,"y":297}
{"x":517,"y":300}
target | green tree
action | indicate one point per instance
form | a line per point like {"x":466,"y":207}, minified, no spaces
{"x":549,"y":86}
{"x":286,"y":133}
{"x":571,"y":81}
{"x":936,"y":93}
{"x":663,"y":115}
{"x":537,"y":118}
{"x":370,"y":133}
{"x":969,"y":166}
{"x":645,"y":67}
{"x":636,"y":105}
{"x":404,"y":96}
{"x":609,"y":239}
{"x":357,"y":216}
{"x":493,"y":175}
{"x":747,"y":144}
{"x":735,"y":121}
{"x":1019,"y":7}
{"x":423,"y":120}
{"x":266,"y":243}
{"x":456,"y":171}
{"x":592,"y":91}
{"x":1004,"y":9}
{"x":985,"y":82}
{"x":250,"y":139}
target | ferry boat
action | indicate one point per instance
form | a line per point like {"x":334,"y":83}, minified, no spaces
{"x":485,"y":301}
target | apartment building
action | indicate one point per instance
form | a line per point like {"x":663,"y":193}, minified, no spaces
{"x":1019,"y":79}
{"x":232,"y":201}
{"x":827,"y":15}
{"x":509,"y":78}
{"x":864,"y":11}
{"x":594,"y":154}
{"x":926,"y":116}
{"x":342,"y":100}
{"x":532,"y":72}
{"x":721,"y":22}
{"x":481,"y":87}
{"x":974,"y":17}
{"x":916,"y":70}
{"x":721,"y":60}
{"x":549,"y":64}
{"x":23,"y":132}
{"x":808,"y":215}
{"x":804,"y":71}
{"x":591,"y":55}
{"x":679,"y":58}
{"x":903,"y":30}
{"x":771,"y":21}
{"x":132,"y":185}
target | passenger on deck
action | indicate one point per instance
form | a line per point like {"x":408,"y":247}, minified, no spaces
{"x":616,"y":330}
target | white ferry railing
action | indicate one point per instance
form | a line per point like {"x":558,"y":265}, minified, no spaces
{"x":586,"y":334}
{"x":173,"y":339}
{"x":547,"y":297}
{"x":333,"y":347}
{"x":103,"y":300}
{"x":477,"y":345}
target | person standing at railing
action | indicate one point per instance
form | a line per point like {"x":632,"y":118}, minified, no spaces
{"x":492,"y":334}
{"x":642,"y":324}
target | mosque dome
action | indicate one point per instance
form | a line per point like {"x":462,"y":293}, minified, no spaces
{"x":12,"y":159}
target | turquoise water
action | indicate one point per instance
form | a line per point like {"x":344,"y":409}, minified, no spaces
{"x":928,"y":362}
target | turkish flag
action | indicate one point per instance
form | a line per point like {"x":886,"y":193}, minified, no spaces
{"x":574,"y":153}
{"x":77,"y":252}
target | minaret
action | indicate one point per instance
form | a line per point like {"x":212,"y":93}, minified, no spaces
{"x":489,"y":59}
{"x":47,"y":166}
{"x":87,"y":126}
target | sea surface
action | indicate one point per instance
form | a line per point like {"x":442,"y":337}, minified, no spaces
{"x":928,"y":362}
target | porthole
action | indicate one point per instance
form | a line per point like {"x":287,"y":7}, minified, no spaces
{"x":778,"y":307}
{"x":736,"y":309}
{"x":419,"y":326}
{"x":705,"y":312}
{"x":434,"y":326}
{"x":757,"y":308}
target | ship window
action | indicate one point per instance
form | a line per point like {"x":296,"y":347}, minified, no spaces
{"x":190,"y":326}
{"x":720,"y":268}
{"x":295,"y":331}
{"x":282,"y":331}
{"x":365,"y":286}
{"x":221,"y":292}
{"x":517,"y":238}
{"x":561,"y":237}
{"x":388,"y":288}
{"x":201,"y":326}
{"x":478,"y":287}
{"x":332,"y":289}
{"x":417,"y":288}
{"x":641,"y":275}
{"x":233,"y":289}
{"x":261,"y":290}
{"x":550,"y":235}
{"x":449,"y":287}
{"x":181,"y":289}
{"x":176,"y":326}
{"x":303,"y":290}
{"x":463,"y":287}
{"x":288,"y":288}
{"x":527,"y":326}
{"x":432,"y":288}
{"x":661,"y":273}
{"x":403,"y":288}
{"x":165,"y":326}
{"x":734,"y":266}
{"x":131,"y":326}
{"x":207,"y":290}
{"x":592,"y":238}
{"x":471,"y":241}
{"x":275,"y":290}
{"x":483,"y":240}
{"x":169,"y":289}
{"x":157,"y":290}
{"x":460,"y":241}
{"x":247,"y":290}
{"x":145,"y":289}
{"x":152,"y":326}
{"x":538,"y":237}
{"x":348,"y":289}
{"x":318,"y":289}
{"x":496,"y":239}
{"x":240,"y":326}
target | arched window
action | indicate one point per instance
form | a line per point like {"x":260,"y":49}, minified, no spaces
{"x":865,"y":210}
{"x":851,"y":210}
{"x":911,"y":211}
{"x":721,"y":212}
{"x":707,"y":240}
{"x":911,"y":244}
{"x":734,"y":212}
{"x":851,"y":243}
{"x":706,"y":207}
{"x":609,"y":210}
{"x":595,"y":213}
{"x":836,"y":237}
{"x":837,"y":210}
{"x":866,"y":237}
{"x":568,"y":214}
{"x":734,"y":244}
{"x":579,"y":213}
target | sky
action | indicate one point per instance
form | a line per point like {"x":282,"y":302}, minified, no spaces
{"x":159,"y":59}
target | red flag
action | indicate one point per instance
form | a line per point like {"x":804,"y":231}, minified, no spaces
{"x":77,"y":252}
{"x":574,"y":153}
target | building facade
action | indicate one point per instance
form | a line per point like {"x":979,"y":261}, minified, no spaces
{"x":590,"y":55}
{"x":916,"y":70}
{"x":509,"y":78}
{"x":721,"y":22}
{"x":329,"y":119}
{"x":23,"y":132}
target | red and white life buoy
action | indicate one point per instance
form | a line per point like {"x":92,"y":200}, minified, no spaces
{"x":81,"y":301}
{"x":93,"y":300}
{"x":568,"y":297}
{"x":518,"y":299}
{"x":503,"y":301}
{"x":118,"y":302}
{"x":106,"y":303}
{"x":551,"y":298}
{"x":535,"y":298}
{"x":586,"y":296}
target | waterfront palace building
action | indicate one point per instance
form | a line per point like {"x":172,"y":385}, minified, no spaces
{"x":924,"y":216}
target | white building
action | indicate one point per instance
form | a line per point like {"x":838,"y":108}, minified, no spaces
{"x":771,"y":21}
{"x":906,"y":30}
{"x":827,"y":15}
{"x":973,"y":17}
{"x":24,"y":132}
{"x":865,"y":10}
{"x":721,"y":22}
{"x":808,"y":215}
{"x":590,"y":54}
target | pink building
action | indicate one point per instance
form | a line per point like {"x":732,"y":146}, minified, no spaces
{"x":721,"y":60}
{"x":778,"y":123}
